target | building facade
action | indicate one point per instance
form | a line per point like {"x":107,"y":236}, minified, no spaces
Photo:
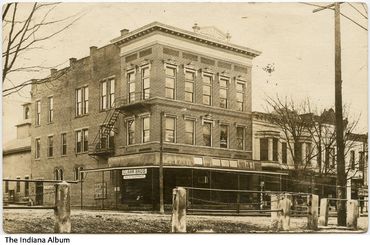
{"x":156,"y":100}
{"x":17,"y":161}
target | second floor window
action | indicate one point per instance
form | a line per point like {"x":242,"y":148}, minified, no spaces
{"x":146,"y":129}
{"x":107,"y":94}
{"x":145,"y":77}
{"x":223,"y":92}
{"x":82,"y":142}
{"x":131,"y":86}
{"x":63,"y":144}
{"x":37,"y":148}
{"x":240,"y":87}
{"x":106,"y":140}
{"x":263,"y":149}
{"x":170,"y":82}
{"x":170,"y":130}
{"x":50,"y":109}
{"x":130,"y":132}
{"x":50,"y":146}
{"x":224,"y":136}
{"x":240,"y":138}
{"x":38,"y":112}
{"x":207,"y":89}
{"x":352,"y":159}
{"x":189,"y":132}
{"x":207,"y":134}
{"x":189,"y":85}
{"x":82,"y":101}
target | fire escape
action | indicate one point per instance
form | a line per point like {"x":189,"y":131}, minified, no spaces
{"x":102,"y":146}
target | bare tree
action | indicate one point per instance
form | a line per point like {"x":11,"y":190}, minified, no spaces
{"x":25,"y":28}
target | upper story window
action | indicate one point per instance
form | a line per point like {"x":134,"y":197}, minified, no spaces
{"x":240,"y":90}
{"x":58,"y":174}
{"x":82,"y":101}
{"x":50,"y":109}
{"x":207,"y":89}
{"x":38,"y":112}
{"x":131,"y":86}
{"x":361,"y":161}
{"x":78,"y":175}
{"x":146,"y":129}
{"x":207,"y":133}
{"x":107,"y":94}
{"x":37,"y":148}
{"x":82,"y":143}
{"x":189,"y":132}
{"x":240,"y":138}
{"x":145,"y":78}
{"x":284,"y":152}
{"x":224,"y":136}
{"x":223,"y":92}
{"x":106,"y":141}
{"x":189,"y":85}
{"x":352,"y":159}
{"x":170,"y":85}
{"x":131,"y":132}
{"x":50,"y":146}
{"x":170,"y":134}
{"x":26,"y":114}
{"x":63,"y":144}
{"x":329,"y":157}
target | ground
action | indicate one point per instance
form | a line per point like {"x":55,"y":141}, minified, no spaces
{"x":87,"y":221}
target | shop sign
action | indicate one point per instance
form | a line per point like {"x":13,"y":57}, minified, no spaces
{"x":136,"y":176}
{"x":100,"y":190}
{"x":134,"y":171}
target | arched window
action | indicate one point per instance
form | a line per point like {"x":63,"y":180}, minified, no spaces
{"x":56,"y":174}
{"x":61,"y":175}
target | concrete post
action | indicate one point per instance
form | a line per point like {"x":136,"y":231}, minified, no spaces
{"x":285,"y":204}
{"x":275,"y":216}
{"x":178,"y":210}
{"x":62,"y":210}
{"x":352,"y":214}
{"x":324,"y":212}
{"x":313,"y":212}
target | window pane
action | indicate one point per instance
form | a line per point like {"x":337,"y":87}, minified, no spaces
{"x":86,"y":141}
{"x":170,"y":123}
{"x":264,"y":149}
{"x":207,"y":79}
{"x":239,"y":96}
{"x":206,"y":99}
{"x":146,"y":83}
{"x":170,"y":136}
{"x":240,"y":138}
{"x":189,"y":87}
{"x":104,"y":88}
{"x":223,"y":93}
{"x":188,"y":97}
{"x":170,"y":82}
{"x":170,"y":71}
{"x":207,"y":90}
{"x":223,"y":136}
{"x":131,"y":77}
{"x":239,"y":86}
{"x":223,"y":83}
{"x":132,"y":87}
{"x":169,"y":93}
{"x":146,"y":123}
{"x":189,"y":75}
{"x":207,"y":134}
{"x":112,"y":84}
{"x":145,"y":72}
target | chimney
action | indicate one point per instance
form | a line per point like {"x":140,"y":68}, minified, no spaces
{"x":71,"y":61}
{"x":93,"y":49}
{"x":53,"y":71}
{"x":124,"y":32}
{"x":196,"y":28}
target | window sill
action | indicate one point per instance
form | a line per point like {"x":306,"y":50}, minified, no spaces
{"x":79,"y":116}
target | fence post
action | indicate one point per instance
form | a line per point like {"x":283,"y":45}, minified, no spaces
{"x":285,"y":204}
{"x":324,"y":212}
{"x":275,"y":216}
{"x":352,"y":213}
{"x":62,"y":210}
{"x":178,"y":210}
{"x":313,"y":210}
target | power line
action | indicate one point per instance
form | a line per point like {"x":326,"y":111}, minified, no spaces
{"x":357,"y":10}
{"x":364,"y":6}
{"x":345,"y":16}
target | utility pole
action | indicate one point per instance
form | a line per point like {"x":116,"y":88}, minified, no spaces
{"x":341,"y":175}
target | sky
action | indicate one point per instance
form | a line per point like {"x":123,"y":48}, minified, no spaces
{"x":299,"y":43}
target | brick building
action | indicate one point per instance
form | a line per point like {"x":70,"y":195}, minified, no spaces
{"x":155,"y":98}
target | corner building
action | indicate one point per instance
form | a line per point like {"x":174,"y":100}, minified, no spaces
{"x":170,"y":99}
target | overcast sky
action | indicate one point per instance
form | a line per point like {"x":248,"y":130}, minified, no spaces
{"x":298,"y":42}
